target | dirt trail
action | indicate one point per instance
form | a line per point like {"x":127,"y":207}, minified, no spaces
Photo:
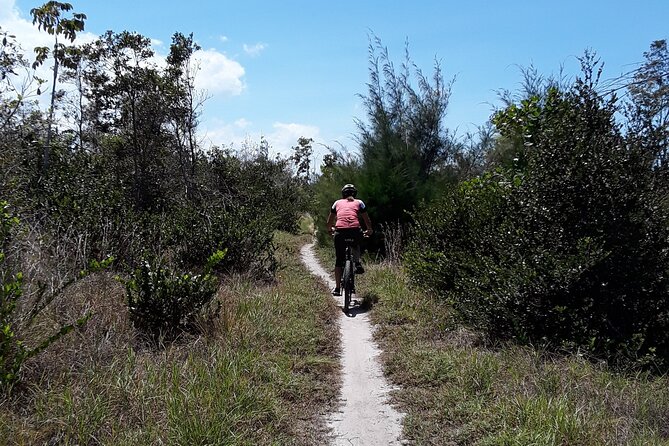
{"x":365,"y":417}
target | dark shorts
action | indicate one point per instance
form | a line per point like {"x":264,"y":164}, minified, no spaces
{"x":340,"y":245}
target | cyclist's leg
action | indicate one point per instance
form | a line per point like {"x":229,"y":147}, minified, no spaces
{"x":356,"y":254}
{"x":340,"y":254}
{"x":338,"y":273}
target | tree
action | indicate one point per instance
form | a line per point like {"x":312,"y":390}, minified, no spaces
{"x":404,"y":141}
{"x":301,"y":158}
{"x":20,"y":123}
{"x":649,"y":109}
{"x":184,"y":105}
{"x":572,"y":248}
{"x":49,"y":18}
{"x":129,"y":114}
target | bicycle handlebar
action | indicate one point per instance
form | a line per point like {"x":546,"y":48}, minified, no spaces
{"x":365,"y":233}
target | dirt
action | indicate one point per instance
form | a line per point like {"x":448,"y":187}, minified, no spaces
{"x":364,"y":417}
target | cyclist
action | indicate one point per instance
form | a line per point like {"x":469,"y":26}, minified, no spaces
{"x":344,"y":222}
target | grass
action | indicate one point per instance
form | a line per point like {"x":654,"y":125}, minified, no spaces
{"x":457,"y":389}
{"x":262,"y":372}
{"x":305,"y":224}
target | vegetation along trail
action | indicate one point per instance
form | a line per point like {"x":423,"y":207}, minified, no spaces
{"x":364,"y":417}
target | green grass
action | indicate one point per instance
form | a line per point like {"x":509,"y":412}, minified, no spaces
{"x":306,"y":224}
{"x":457,"y":389}
{"x":262,"y":372}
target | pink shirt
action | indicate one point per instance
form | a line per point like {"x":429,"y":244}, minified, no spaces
{"x":347,"y":210}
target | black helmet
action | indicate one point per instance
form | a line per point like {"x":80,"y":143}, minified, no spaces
{"x":348,"y":190}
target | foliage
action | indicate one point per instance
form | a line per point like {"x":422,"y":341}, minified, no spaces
{"x":571,"y":249}
{"x":406,"y":153}
{"x":163,"y":303}
{"x":12,"y":352}
{"x":131,"y":176}
{"x":262,"y":373}
{"x":195,"y":232}
{"x":648,"y":109}
{"x":404,"y":145}
{"x":337,"y":169}
{"x":49,"y":18}
{"x":119,"y":170}
{"x":301,"y":158}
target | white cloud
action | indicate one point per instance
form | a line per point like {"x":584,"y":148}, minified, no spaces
{"x":242,"y":123}
{"x":218,"y":73}
{"x":221,"y":133}
{"x":223,"y":39}
{"x":254,"y":50}
{"x":285,"y":136}
{"x":156,"y":43}
{"x":8,"y":10}
{"x":241,"y":133}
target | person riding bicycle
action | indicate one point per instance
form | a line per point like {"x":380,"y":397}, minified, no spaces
{"x":344,"y":222}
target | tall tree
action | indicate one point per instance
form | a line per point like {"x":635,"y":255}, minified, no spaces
{"x":301,"y":158}
{"x":49,"y":17}
{"x":649,"y":92}
{"x":185,"y":105}
{"x":404,"y":141}
{"x":127,"y":113}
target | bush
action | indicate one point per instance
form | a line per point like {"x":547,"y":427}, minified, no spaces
{"x":163,"y":303}
{"x":246,"y":236}
{"x":570,"y":249}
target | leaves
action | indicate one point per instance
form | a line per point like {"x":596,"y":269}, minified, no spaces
{"x":163,"y":303}
{"x":48,"y":18}
{"x":13,"y":351}
{"x":566,"y":247}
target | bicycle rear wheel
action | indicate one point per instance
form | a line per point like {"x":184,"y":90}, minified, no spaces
{"x":348,"y":283}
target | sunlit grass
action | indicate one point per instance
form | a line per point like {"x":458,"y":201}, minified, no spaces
{"x":456,"y":389}
{"x":262,"y":372}
{"x":306,"y":224}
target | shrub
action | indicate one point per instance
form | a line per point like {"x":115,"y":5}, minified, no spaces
{"x":571,"y":249}
{"x":163,"y":303}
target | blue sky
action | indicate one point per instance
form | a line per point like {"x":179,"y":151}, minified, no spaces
{"x":285,"y":69}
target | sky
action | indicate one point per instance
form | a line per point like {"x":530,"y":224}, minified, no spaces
{"x":292,"y":68}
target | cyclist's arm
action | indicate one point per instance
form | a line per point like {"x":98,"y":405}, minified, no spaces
{"x":368,"y":223}
{"x":332,"y":218}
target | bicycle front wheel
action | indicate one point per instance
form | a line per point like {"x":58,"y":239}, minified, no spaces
{"x":348,"y":283}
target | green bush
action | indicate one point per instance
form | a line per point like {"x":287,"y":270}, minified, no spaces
{"x":163,"y":303}
{"x":570,"y":249}
{"x":245,"y":234}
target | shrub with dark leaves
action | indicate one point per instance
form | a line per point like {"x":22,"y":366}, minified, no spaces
{"x":163,"y":303}
{"x":570,"y":250}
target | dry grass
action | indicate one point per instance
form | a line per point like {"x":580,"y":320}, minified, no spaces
{"x":260,"y":372}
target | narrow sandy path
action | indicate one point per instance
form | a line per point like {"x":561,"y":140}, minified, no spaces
{"x":365,"y":417}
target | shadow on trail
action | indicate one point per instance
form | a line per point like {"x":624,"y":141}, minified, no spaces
{"x":361,"y":305}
